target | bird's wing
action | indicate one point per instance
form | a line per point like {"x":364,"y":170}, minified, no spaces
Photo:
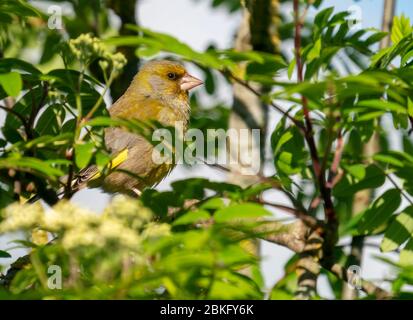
{"x":91,"y":173}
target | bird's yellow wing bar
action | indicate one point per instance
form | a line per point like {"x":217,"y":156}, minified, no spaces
{"x":114,"y":163}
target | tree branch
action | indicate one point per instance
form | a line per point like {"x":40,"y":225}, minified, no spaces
{"x":294,"y":236}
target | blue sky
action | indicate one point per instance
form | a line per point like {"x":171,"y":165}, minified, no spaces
{"x":405,"y":6}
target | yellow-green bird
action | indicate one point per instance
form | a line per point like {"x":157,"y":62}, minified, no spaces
{"x":158,"y":92}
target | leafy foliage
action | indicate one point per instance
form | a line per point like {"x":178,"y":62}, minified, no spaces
{"x":193,"y":241}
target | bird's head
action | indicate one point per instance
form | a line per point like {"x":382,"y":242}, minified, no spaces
{"x":167,"y":79}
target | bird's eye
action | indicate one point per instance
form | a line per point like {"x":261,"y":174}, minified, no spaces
{"x":172,"y":75}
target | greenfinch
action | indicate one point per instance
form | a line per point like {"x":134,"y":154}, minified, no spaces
{"x":158,"y":92}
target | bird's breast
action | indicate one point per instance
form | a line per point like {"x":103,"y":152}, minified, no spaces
{"x":175,"y":113}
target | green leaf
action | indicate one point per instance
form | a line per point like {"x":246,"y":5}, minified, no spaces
{"x":146,"y":52}
{"x":401,"y":28}
{"x":47,"y":140}
{"x":382,"y":105}
{"x":406,"y":255}
{"x":291,"y":68}
{"x":375,"y":37}
{"x":369,"y":116}
{"x":27,"y":164}
{"x":12,"y":64}
{"x":13,"y":123}
{"x":50,"y":119}
{"x":233,"y":285}
{"x":347,"y":186}
{"x":25,"y":243}
{"x":400,"y":230}
{"x":315,"y":51}
{"x":20,"y":8}
{"x":287,"y":136}
{"x":389,"y":159}
{"x":322,"y":17}
{"x":379,"y":212}
{"x":192,"y":217}
{"x":409,"y":107}
{"x":83,"y":154}
{"x":69,"y":125}
{"x":4,"y":254}
{"x":265,"y":69}
{"x":12,"y":83}
{"x":241,"y":211}
{"x":357,"y":170}
{"x":102,"y":159}
{"x":163,"y":42}
{"x":289,"y":150}
{"x":213,"y":204}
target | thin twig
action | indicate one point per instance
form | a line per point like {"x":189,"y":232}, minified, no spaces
{"x":263,"y":179}
{"x":309,"y":134}
{"x":100,"y":100}
{"x":394,"y":183}
{"x":310,"y":221}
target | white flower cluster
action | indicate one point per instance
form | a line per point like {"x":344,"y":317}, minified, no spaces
{"x":18,"y":217}
{"x":124,"y":224}
{"x":130,"y":211}
{"x":86,"y":47}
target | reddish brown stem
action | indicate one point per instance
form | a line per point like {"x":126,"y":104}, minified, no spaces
{"x":309,"y":134}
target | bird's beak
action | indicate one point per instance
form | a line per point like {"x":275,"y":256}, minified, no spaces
{"x":189,"y":82}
